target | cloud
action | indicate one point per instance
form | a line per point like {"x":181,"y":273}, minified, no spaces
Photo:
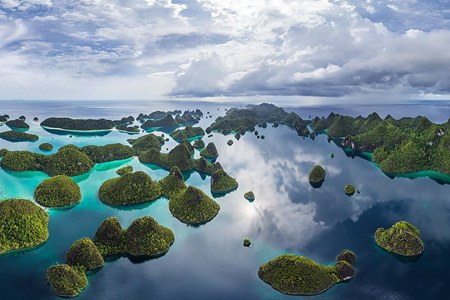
{"x":320,"y":48}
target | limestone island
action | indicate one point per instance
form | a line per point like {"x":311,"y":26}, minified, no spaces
{"x":230,"y":142}
{"x":110,"y":238}
{"x":173,"y":184}
{"x":124,"y":170}
{"x":58,"y":191}
{"x":199,"y":144}
{"x":130,"y":129}
{"x":298,"y":275}
{"x":210,"y":152}
{"x":46,"y":147}
{"x":146,"y":142}
{"x":247,"y":242}
{"x":18,"y":136}
{"x":106,"y":153}
{"x":193,"y":207}
{"x":222,"y":183}
{"x":242,"y":120}
{"x":349,"y":190}
{"x":402,"y":146}
{"x":129,"y":189}
{"x":66,"y":281}
{"x":402,"y":239}
{"x":17,"y":124}
{"x":146,"y":238}
{"x":187,"y":133}
{"x":96,"y":127}
{"x":84,"y":254}
{"x":250,"y":196}
{"x":23,"y":225}
{"x":317,"y":176}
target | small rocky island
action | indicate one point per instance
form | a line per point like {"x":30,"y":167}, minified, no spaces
{"x":146,"y":142}
{"x":210,"y":152}
{"x":317,"y":176}
{"x":298,"y":275}
{"x":46,"y":147}
{"x":58,"y":191}
{"x":23,"y":225}
{"x":66,"y":281}
{"x":402,"y":239}
{"x":250,"y":196}
{"x":17,"y":124}
{"x":349,"y":190}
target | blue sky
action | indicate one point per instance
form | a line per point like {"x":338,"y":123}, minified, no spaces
{"x":152,"y":49}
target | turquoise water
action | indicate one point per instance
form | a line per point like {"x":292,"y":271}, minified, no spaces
{"x":287,"y":216}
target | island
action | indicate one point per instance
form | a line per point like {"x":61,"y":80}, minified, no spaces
{"x":146,"y":238}
{"x":17,"y":124}
{"x":210,"y":152}
{"x":247,"y":242}
{"x":106,"y":153}
{"x":180,"y":156}
{"x":222,"y":183}
{"x":168,"y":122}
{"x":146,"y":142}
{"x":317,"y":176}
{"x":124,"y":170}
{"x":299,"y":275}
{"x":402,"y":146}
{"x":242,"y":120}
{"x":75,"y":125}
{"x":199,"y":144}
{"x":18,"y":136}
{"x":85,"y":255}
{"x":23,"y":225}
{"x":129,"y":189}
{"x":58,"y":191}
{"x":193,"y":207}
{"x":187,"y":133}
{"x":3,"y":152}
{"x":46,"y":147}
{"x":173,"y":184}
{"x":250,"y":196}
{"x":349,"y":190}
{"x":130,"y":129}
{"x":110,"y":238}
{"x":230,"y":142}
{"x":66,"y":281}
{"x":402,"y":239}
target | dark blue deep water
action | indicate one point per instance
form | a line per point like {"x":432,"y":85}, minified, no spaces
{"x":288,"y":215}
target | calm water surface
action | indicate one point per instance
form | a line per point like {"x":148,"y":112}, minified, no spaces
{"x":288,"y":215}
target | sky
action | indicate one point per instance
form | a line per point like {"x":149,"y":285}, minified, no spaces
{"x":368,"y":50}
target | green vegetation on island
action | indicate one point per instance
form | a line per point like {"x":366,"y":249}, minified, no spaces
{"x":173,"y":184}
{"x":222,"y":183}
{"x":17,"y":124}
{"x":210,"y":151}
{"x":247,"y":242}
{"x":187,"y":133}
{"x":84,"y":254}
{"x":193,"y":207}
{"x":23,"y":224}
{"x":317,"y":176}
{"x":167,"y":122}
{"x":199,"y":144}
{"x":250,"y":196}
{"x":18,"y":136}
{"x":84,"y":124}
{"x":106,"y":153}
{"x":3,"y":152}
{"x":245,"y":119}
{"x":146,"y":142}
{"x":402,"y":239}
{"x":124,"y":170}
{"x":66,"y":281}
{"x":128,"y":128}
{"x":146,"y":238}
{"x":180,"y":156}
{"x":349,"y":190}
{"x":58,"y":191}
{"x":46,"y":147}
{"x":400,"y":146}
{"x":110,"y":238}
{"x":67,"y":161}
{"x":347,"y":255}
{"x":298,"y":275}
{"x":230,"y":142}
{"x":128,"y":189}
